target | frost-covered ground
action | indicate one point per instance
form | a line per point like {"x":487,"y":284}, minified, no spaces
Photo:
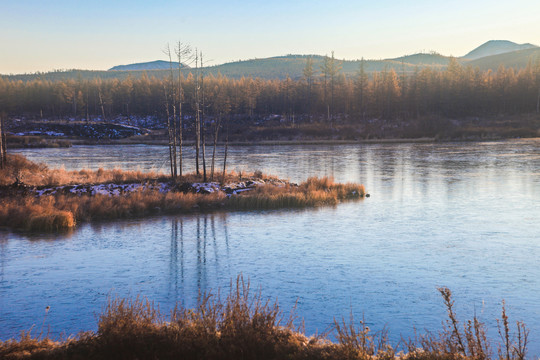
{"x":113,"y":189}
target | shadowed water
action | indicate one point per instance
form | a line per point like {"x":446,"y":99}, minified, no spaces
{"x":461,"y":215}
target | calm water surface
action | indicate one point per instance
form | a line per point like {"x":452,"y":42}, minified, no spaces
{"x":461,"y":215}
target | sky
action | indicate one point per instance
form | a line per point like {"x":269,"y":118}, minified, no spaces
{"x":44,"y":35}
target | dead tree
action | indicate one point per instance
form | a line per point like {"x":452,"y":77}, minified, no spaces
{"x":226,"y":150}
{"x":216,"y":133}
{"x":203,"y":128}
{"x":182,"y":52}
{"x":3,"y":146}
{"x":171,"y":125}
{"x":221,"y":106}
{"x":169,"y":133}
{"x":101,"y":104}
{"x":197,"y":115}
{"x":538,"y":102}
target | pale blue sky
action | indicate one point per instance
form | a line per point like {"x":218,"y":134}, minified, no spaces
{"x":40,"y":35}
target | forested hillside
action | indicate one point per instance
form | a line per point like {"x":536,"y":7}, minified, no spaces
{"x":490,"y":55}
{"x":458,"y":91}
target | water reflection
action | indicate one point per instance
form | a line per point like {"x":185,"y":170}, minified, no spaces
{"x":208,"y":236}
{"x":3,"y":254}
{"x":461,"y":215}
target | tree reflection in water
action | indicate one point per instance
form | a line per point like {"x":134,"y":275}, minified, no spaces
{"x":191,"y":261}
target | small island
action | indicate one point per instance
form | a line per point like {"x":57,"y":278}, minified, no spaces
{"x":36,"y":198}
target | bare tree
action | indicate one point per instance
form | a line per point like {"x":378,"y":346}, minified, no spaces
{"x":308,"y":77}
{"x":3,"y":146}
{"x":170,"y":101}
{"x":101,"y":104}
{"x":197,"y":114}
{"x":168,"y":115}
{"x":182,"y":52}
{"x":216,"y":133}
{"x":330,"y":69}
{"x":226,"y":150}
{"x":203,"y":128}
{"x":361,"y":88}
{"x":537,"y":73}
{"x":220,"y":105}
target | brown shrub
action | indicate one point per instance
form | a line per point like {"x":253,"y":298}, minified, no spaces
{"x":247,"y":326}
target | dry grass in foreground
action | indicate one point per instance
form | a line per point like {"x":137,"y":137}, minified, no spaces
{"x":63,"y":211}
{"x":245,"y":326}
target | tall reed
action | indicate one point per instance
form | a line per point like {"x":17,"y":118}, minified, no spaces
{"x":245,"y":325}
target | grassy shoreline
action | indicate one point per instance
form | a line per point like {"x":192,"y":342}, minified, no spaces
{"x":30,"y":205}
{"x":427,"y":140}
{"x":247,"y":326}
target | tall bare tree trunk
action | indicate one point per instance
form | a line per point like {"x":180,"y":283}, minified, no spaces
{"x":216,"y":132}
{"x":538,"y":102}
{"x":173,"y":135}
{"x":101,"y":105}
{"x":172,"y":125}
{"x":203,"y":129}
{"x":180,"y":135}
{"x":169,"y":134}
{"x":3,"y":150}
{"x":197,"y":115}
{"x":75,"y":104}
{"x":1,"y":143}
{"x":181,"y":51}
{"x":226,"y":151}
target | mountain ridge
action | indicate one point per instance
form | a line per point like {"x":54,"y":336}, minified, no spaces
{"x":149,"y":65}
{"x":496,"y":47}
{"x":489,"y":48}
{"x":292,"y":65}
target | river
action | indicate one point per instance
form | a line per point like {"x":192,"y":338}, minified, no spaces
{"x":461,"y":215}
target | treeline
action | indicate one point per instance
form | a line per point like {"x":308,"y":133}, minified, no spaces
{"x":323,"y":94}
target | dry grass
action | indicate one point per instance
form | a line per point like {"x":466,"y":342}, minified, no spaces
{"x":246,"y":326}
{"x":33,"y":174}
{"x":37,"y":214}
{"x":59,"y":212}
{"x":313,"y":192}
{"x":21,"y":169}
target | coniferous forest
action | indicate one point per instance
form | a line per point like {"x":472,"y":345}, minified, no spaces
{"x":324,"y":95}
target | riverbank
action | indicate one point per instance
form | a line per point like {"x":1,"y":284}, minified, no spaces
{"x":247,"y":131}
{"x":36,"y":198}
{"x":247,"y":326}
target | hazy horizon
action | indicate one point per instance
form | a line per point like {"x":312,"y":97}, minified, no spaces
{"x":70,"y":35}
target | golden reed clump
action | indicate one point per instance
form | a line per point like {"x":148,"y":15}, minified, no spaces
{"x":244,"y":325}
{"x":23,"y":170}
{"x":312,"y":192}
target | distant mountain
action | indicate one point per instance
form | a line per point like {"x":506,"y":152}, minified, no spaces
{"x":490,"y":55}
{"x":424,"y":59}
{"x":496,"y":47}
{"x":515,"y":59}
{"x":152,"y":65}
{"x":280,"y":67}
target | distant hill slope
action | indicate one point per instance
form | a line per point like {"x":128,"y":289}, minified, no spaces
{"x":269,"y":68}
{"x":515,"y":59}
{"x":293,"y":65}
{"x":151,"y":65}
{"x":496,"y":47}
{"x":424,"y":59}
{"x":280,"y":67}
